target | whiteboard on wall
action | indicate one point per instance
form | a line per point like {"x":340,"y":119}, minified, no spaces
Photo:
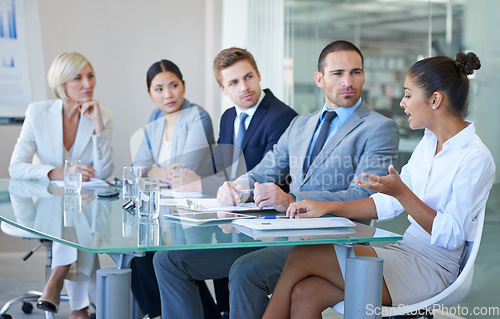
{"x":22,"y":78}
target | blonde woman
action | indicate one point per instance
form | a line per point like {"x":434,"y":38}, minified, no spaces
{"x":74,"y":126}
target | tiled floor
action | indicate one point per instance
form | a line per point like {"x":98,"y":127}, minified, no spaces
{"x":17,"y":276}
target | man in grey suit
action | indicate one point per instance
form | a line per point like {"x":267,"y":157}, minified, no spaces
{"x":321,"y":152}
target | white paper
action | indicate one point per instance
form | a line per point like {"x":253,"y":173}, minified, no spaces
{"x":208,"y":217}
{"x":210,"y":205}
{"x":296,"y":223}
{"x":170,"y":193}
{"x":93,"y":183}
{"x":293,"y":233}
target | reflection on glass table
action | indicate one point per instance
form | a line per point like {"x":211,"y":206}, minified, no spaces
{"x":101,"y":225}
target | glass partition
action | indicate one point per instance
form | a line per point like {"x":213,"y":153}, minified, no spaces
{"x":392,"y":34}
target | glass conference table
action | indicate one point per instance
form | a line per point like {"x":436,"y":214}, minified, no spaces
{"x":101,"y":225}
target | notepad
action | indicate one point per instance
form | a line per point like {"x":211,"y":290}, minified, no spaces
{"x":297,"y":223}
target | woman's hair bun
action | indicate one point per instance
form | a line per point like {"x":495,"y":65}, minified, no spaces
{"x":467,"y":63}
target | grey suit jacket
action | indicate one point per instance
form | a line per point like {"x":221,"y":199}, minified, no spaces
{"x":366,"y":142}
{"x":193,"y":134}
{"x":42,"y":134}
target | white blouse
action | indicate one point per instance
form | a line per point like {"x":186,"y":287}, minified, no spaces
{"x":455,"y":182}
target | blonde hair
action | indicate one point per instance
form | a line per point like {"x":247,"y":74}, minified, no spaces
{"x":65,"y":68}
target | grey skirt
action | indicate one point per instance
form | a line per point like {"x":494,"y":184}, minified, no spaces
{"x":415,"y":271}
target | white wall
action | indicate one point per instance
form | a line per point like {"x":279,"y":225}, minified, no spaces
{"x":122,"y":38}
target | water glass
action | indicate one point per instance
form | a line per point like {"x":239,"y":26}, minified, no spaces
{"x":149,"y":198}
{"x":148,"y":233}
{"x":72,"y":209}
{"x":73,"y":176}
{"x":131,"y":175}
{"x":129,"y":224}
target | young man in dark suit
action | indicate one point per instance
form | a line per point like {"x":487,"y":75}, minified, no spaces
{"x":265,"y":119}
{"x":250,"y":128}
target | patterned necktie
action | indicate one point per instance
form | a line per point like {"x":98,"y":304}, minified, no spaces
{"x":323,"y":134}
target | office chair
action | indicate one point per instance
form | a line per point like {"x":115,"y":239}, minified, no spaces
{"x":31,"y":296}
{"x":450,"y":296}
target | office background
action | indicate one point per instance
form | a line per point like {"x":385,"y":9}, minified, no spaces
{"x":122,"y":38}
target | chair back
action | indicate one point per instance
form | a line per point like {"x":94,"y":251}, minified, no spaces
{"x":16,"y":232}
{"x":460,"y":288}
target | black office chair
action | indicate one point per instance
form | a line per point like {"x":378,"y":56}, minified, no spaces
{"x":31,"y":296}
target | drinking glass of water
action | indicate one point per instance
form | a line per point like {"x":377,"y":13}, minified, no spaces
{"x":131,"y":175}
{"x":72,"y":176}
{"x":148,"y":233}
{"x":72,"y":209}
{"x":149,"y":198}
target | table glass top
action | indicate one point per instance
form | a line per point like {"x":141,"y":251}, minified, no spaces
{"x":101,"y":225}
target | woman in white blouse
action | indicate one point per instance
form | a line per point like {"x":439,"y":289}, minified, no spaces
{"x":443,"y":187}
{"x":74,"y":126}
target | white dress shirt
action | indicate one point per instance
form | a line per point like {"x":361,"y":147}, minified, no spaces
{"x":455,"y":182}
{"x":250,"y":112}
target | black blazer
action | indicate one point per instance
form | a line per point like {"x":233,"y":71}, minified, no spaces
{"x":269,"y":121}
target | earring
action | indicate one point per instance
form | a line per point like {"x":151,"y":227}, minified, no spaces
{"x":433,"y":107}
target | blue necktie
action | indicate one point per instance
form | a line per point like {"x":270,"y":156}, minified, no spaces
{"x":241,"y":132}
{"x":322,"y":136}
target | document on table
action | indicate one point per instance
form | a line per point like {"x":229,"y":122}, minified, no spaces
{"x":167,"y":192}
{"x":292,"y":233}
{"x":210,"y":205}
{"x":93,"y":183}
{"x":297,"y":223}
{"x":206,"y":217}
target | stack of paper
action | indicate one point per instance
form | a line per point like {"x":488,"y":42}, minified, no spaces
{"x":293,"y":234}
{"x":294,"y":229}
{"x":297,"y":223}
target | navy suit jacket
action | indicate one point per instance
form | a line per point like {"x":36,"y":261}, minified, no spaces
{"x":268,"y":123}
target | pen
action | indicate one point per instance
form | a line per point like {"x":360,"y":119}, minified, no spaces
{"x":245,"y":191}
{"x":271,"y":217}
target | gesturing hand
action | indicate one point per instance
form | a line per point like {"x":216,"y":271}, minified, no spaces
{"x":391,"y":184}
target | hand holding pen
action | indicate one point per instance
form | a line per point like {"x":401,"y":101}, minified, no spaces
{"x":227,"y":194}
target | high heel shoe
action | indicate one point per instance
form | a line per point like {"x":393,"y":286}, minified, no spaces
{"x":47,"y":305}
